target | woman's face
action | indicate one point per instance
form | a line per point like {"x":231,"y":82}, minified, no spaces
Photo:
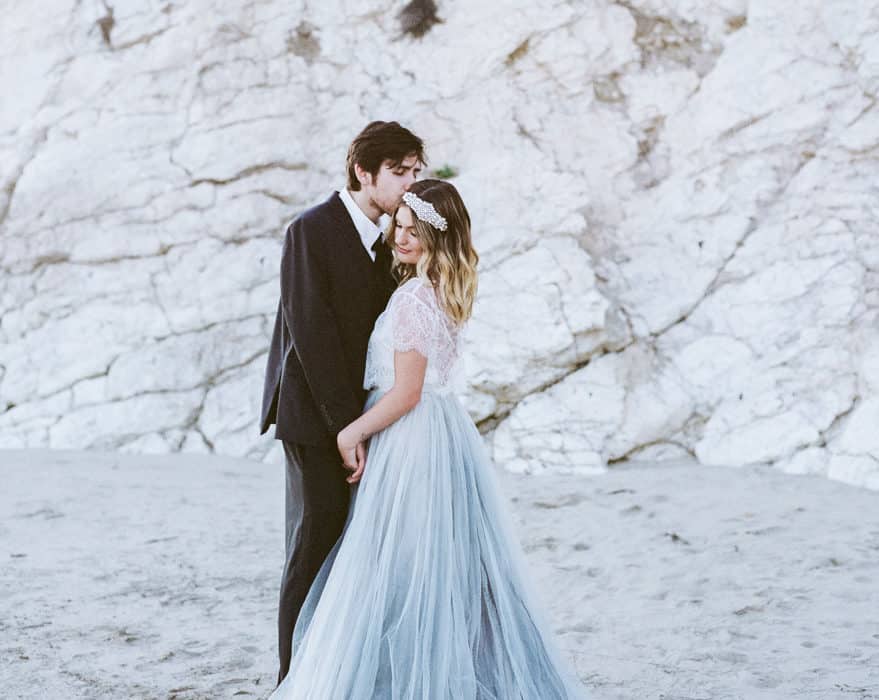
{"x":406,"y":244}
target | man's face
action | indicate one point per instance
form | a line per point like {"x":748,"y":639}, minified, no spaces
{"x":387,"y":187}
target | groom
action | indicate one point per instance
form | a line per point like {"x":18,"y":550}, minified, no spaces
{"x":335,"y":281}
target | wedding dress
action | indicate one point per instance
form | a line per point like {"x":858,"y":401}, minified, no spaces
{"x":424,"y":595}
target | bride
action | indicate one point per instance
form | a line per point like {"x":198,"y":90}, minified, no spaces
{"x":424,"y":595}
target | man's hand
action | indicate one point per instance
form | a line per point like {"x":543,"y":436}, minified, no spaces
{"x":361,"y":464}
{"x":353,"y":454}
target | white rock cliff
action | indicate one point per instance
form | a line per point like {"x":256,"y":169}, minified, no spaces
{"x":675,"y":202}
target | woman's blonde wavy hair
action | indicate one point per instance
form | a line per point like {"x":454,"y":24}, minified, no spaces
{"x":448,"y":260}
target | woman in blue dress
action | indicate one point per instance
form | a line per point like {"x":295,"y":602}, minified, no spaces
{"x":425,"y":594}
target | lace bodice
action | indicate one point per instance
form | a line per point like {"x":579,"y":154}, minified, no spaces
{"x":413,"y":320}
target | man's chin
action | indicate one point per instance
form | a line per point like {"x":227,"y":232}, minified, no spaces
{"x":391,"y":209}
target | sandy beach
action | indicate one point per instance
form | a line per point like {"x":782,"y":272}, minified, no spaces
{"x":155,"y":577}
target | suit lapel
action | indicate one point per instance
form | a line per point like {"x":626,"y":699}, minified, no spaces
{"x":376,"y":274}
{"x":349,"y":236}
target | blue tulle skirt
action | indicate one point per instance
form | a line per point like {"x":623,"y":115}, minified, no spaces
{"x":425,"y":595}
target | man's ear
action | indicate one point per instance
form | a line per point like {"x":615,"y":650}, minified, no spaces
{"x":363,"y":176}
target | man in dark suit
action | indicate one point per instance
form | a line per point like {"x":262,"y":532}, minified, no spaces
{"x":335,"y":281}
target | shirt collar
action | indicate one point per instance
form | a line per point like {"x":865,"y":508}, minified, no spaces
{"x":367,"y":230}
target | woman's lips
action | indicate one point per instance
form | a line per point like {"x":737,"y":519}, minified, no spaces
{"x":404,"y":251}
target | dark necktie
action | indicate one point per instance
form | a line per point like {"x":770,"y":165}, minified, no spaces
{"x":377,"y":246}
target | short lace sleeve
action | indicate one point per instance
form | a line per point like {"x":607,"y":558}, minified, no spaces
{"x":414,"y":324}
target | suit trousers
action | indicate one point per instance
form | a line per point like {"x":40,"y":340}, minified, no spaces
{"x":317,"y":500}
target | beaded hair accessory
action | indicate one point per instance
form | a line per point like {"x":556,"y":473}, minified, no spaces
{"x":424,"y":211}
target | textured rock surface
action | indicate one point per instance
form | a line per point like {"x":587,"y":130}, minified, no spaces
{"x":675,"y":204}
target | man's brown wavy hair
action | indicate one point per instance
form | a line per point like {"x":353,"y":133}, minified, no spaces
{"x":380,"y":142}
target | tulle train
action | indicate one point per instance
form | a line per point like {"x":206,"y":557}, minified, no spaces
{"x":425,"y":595}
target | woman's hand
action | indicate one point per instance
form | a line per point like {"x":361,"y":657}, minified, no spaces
{"x":409,"y":370}
{"x":353,"y":453}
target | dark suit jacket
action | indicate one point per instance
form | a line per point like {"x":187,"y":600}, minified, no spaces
{"x":331,"y":294}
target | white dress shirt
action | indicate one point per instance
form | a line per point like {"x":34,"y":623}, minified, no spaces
{"x":368,"y":231}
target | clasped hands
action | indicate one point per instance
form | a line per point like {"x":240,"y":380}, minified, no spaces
{"x":353,"y":453}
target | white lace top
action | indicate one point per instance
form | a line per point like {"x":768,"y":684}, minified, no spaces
{"x":413,"y":320}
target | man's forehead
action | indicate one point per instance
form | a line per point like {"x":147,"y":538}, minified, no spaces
{"x":410,"y":161}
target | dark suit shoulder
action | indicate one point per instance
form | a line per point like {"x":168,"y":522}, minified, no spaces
{"x":316,"y":221}
{"x":323,"y":214}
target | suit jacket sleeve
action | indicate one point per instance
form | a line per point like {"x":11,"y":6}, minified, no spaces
{"x":305,"y":299}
